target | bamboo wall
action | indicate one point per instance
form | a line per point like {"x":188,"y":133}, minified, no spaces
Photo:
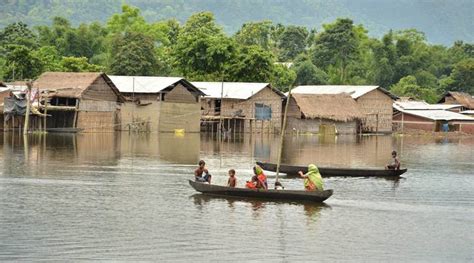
{"x":376,"y":103}
{"x":313,"y":125}
{"x":140,"y":118}
{"x":175,"y":115}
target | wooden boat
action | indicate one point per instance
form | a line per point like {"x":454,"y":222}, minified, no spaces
{"x":287,"y":195}
{"x":64,"y":130}
{"x":328,"y":172}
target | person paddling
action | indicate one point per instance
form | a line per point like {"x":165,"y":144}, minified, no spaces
{"x":312,"y":179}
{"x":198,"y":173}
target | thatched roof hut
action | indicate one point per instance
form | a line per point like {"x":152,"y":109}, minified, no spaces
{"x":74,"y":84}
{"x":454,"y":97}
{"x":337,"y":107}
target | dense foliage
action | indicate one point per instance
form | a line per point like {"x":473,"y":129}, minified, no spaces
{"x":341,"y":53}
{"x":443,"y":21}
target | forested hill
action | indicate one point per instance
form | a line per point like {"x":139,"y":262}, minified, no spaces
{"x":443,"y":21}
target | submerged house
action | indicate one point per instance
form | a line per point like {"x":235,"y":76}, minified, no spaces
{"x":242,"y":106}
{"x":88,"y":101}
{"x":432,"y":121}
{"x":325,"y":114}
{"x":159,"y":104}
{"x":422,"y":105}
{"x":460,"y":98}
{"x":374,"y":102}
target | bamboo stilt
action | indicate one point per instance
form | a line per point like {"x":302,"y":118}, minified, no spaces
{"x":282,"y":136}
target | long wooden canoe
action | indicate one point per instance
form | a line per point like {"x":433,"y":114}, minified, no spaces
{"x":270,"y":194}
{"x":328,"y":172}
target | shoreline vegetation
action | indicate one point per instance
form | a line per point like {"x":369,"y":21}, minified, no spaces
{"x":260,"y":51}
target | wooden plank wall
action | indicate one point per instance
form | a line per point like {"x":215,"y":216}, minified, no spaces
{"x":181,"y":94}
{"x":100,"y":90}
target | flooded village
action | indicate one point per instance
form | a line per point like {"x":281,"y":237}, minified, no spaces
{"x":240,"y":131}
{"x":118,"y":150}
{"x":96,"y":102}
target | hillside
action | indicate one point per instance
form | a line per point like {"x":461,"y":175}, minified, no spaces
{"x":442,"y":21}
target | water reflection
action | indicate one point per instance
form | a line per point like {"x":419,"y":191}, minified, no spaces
{"x":126,"y":197}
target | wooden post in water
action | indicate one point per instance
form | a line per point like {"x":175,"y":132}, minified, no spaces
{"x":28,"y":106}
{"x":283,"y":128}
{"x":74,"y":122}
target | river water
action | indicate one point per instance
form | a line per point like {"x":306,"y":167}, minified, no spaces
{"x":126,"y":197}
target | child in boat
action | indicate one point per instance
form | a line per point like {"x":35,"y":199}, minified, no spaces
{"x":395,"y":164}
{"x":232,"y":182}
{"x":312,"y":179}
{"x":252,"y":184}
{"x":198,"y":173}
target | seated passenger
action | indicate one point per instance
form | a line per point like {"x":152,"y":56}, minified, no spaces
{"x":312,"y":179}
{"x":261,"y":178}
{"x":198,"y":173}
{"x":395,"y":164}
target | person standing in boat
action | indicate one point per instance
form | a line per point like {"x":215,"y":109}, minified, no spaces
{"x":312,"y":179}
{"x":232,"y":182}
{"x":395,"y":164}
{"x":198,"y":173}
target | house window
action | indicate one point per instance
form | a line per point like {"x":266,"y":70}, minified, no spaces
{"x":262,"y":112}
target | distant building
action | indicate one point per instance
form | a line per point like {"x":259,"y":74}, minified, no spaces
{"x":159,"y":104}
{"x":468,"y":112}
{"x":326,"y":113}
{"x":433,"y":121}
{"x":374,"y":102}
{"x":422,"y":105}
{"x":244,"y":107}
{"x":88,"y":101}
{"x":460,"y":98}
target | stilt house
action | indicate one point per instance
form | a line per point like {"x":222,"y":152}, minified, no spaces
{"x":374,"y":102}
{"x":159,"y":104}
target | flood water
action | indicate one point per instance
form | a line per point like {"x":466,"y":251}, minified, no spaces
{"x":126,"y":197}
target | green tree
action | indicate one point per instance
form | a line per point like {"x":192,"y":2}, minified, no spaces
{"x":462,"y":77}
{"x":202,"y":49}
{"x":408,"y":87}
{"x":336,"y":47}
{"x":21,"y":63}
{"x":251,"y":64}
{"x":78,"y":64}
{"x":133,"y":54}
{"x":255,"y":33}
{"x":283,"y":77}
{"x":292,"y":42}
{"x":308,"y":74}
{"x":49,"y":57}
{"x":17,"y":34}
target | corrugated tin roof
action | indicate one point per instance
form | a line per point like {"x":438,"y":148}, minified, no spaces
{"x":439,"y":115}
{"x":354,"y":91}
{"x":143,"y":84}
{"x":421,"y":105}
{"x":231,"y":90}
